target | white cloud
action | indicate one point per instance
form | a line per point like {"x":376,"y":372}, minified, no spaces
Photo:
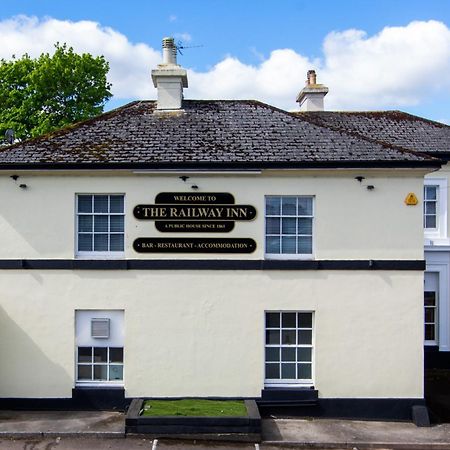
{"x":184,"y":37}
{"x":172,"y":18}
{"x":397,"y":67}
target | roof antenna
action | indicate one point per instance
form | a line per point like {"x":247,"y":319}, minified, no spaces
{"x":179,"y":46}
{"x":9,"y":136}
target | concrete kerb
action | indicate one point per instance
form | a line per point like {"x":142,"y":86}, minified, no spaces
{"x":357,"y":445}
{"x":54,"y":434}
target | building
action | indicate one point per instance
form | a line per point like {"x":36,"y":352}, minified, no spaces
{"x":402,"y":130}
{"x":184,"y":248}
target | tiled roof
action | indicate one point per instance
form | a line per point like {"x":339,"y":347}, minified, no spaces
{"x":389,"y":127}
{"x":209,"y":132}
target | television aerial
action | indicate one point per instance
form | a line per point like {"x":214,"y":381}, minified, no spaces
{"x":180,"y":46}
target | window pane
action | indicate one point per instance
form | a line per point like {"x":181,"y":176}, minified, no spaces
{"x":101,"y":372}
{"x":288,"y":337}
{"x":304,"y":337}
{"x":273,"y":244}
{"x":273,"y":206}
{"x":85,"y":242}
{"x":304,"y":226}
{"x":84,"y":373}
{"x":272,"y":354}
{"x":101,"y":242}
{"x":304,"y":320}
{"x":304,"y":206}
{"x":288,"y":354}
{"x":85,"y":354}
{"x":116,"y":203}
{"x":272,"y":337}
{"x":429,"y":315}
{"x":430,"y":192}
{"x":305,"y":245}
{"x":101,"y":224}
{"x":272,"y":320}
{"x":288,"y":371}
{"x":85,"y":203}
{"x":115,"y":372}
{"x":288,"y":320}
{"x":273,"y":371}
{"x":430,"y":208}
{"x":116,"y":243}
{"x":430,"y":221}
{"x":100,"y":203}
{"x":116,"y":223}
{"x":289,"y":206}
{"x":429,"y":332}
{"x":304,"y":371}
{"x":272,"y":225}
{"x":100,"y":354}
{"x":430,"y":298}
{"x":85,"y":224}
{"x":116,"y":355}
{"x":289,"y":226}
{"x":288,"y":244}
{"x":304,"y":354}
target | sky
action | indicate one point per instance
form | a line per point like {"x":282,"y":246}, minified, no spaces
{"x":372,"y":54}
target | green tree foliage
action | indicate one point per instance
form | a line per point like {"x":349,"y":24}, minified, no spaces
{"x":40,"y":95}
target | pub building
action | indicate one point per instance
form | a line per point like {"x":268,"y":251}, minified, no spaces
{"x":215,"y":249}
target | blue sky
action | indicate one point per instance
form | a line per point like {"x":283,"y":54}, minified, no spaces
{"x":272,"y":42}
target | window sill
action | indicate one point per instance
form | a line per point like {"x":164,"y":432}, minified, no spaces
{"x":291,"y":257}
{"x":100,"y":255}
{"x":105,"y":384}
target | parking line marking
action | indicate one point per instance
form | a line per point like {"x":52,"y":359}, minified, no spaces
{"x":256,"y":446}
{"x":155,"y":444}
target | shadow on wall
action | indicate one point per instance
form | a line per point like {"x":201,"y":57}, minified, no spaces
{"x":26,"y":371}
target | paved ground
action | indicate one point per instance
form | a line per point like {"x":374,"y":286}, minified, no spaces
{"x":105,"y":430}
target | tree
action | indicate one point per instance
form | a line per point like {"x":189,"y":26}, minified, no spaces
{"x":41,"y":95}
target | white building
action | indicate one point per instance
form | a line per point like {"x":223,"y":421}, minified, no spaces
{"x":186,"y":248}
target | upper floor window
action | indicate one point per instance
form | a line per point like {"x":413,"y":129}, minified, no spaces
{"x":289,"y":226}
{"x":430,"y":207}
{"x":435,"y":209}
{"x":100,"y":224}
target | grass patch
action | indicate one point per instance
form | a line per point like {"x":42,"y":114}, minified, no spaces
{"x":194,"y":407}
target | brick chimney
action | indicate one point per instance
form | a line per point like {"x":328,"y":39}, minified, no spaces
{"x":169,"y":78}
{"x":311,"y":96}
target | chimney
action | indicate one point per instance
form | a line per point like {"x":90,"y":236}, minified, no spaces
{"x":169,"y":79}
{"x":311,"y":96}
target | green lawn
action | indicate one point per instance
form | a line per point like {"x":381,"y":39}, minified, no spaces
{"x":194,"y":407}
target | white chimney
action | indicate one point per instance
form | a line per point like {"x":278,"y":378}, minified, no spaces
{"x":312,"y":95}
{"x":169,"y":78}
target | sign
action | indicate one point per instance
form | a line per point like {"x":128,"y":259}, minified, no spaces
{"x":194,"y":245}
{"x":206,"y":212}
{"x":411,"y":199}
{"x":194,"y":212}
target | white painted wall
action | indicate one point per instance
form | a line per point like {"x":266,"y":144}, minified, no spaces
{"x":201,"y":333}
{"x":350,"y":222}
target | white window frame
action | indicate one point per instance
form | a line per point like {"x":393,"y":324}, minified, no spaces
{"x":286,"y":256}
{"x":92,"y":364}
{"x":99,"y":254}
{"x":268,"y":382}
{"x":440,"y":232}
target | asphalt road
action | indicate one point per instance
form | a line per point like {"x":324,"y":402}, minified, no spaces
{"x":125,"y":444}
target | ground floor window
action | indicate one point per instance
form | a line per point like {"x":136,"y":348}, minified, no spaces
{"x":100,"y":364}
{"x":431,"y":308}
{"x":289,"y":347}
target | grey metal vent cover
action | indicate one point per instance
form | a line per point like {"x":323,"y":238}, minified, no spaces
{"x":100,"y":328}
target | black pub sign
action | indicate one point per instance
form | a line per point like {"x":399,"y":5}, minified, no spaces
{"x":181,"y":212}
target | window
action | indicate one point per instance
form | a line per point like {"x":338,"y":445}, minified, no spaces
{"x":430,"y":207}
{"x":289,"y":226}
{"x":100,"y":364}
{"x":431,"y":301}
{"x":100,"y":224}
{"x":435,"y":210}
{"x":288,"y":348}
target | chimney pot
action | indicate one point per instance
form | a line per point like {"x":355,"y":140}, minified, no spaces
{"x":311,"y":77}
{"x":169,"y":51}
